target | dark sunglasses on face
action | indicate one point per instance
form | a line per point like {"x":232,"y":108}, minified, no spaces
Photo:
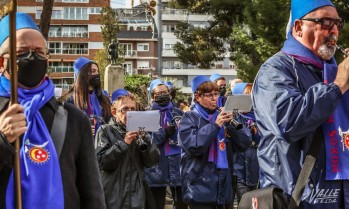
{"x":327,"y":23}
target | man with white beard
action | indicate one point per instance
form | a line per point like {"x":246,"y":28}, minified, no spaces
{"x":301,"y":90}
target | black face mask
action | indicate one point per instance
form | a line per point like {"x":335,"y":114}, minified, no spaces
{"x":222,"y":91}
{"x":31,"y":69}
{"x":95,"y":81}
{"x":162,"y":100}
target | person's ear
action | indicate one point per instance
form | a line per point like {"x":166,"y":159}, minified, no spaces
{"x":113,"y":111}
{"x":3,"y":62}
{"x":298,"y":28}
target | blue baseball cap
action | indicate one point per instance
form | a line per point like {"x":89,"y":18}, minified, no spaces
{"x":23,"y":20}
{"x":80,"y":63}
{"x":197,"y":81}
{"x":215,"y":76}
{"x":239,"y":88}
{"x":118,"y":93}
{"x":299,"y":8}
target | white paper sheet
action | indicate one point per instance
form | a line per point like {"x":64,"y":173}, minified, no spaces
{"x":150,"y":120}
{"x":239,"y":102}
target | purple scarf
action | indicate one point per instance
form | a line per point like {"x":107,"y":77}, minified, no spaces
{"x":336,"y":128}
{"x":217,"y":151}
{"x":40,"y":170}
{"x":165,"y":120}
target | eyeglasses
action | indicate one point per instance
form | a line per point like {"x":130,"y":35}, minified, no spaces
{"x":160,"y":93}
{"x":327,"y":23}
{"x":210,"y":95}
{"x":126,"y":109}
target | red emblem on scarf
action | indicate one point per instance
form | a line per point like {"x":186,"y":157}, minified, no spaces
{"x":347,"y":141}
{"x":222,"y":146}
{"x":38,"y":155}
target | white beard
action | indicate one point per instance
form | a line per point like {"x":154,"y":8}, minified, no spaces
{"x":327,"y":49}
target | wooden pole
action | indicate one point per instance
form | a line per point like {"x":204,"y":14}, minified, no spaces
{"x":14,"y":100}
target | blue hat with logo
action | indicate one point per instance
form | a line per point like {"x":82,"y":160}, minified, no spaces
{"x":215,"y":76}
{"x":197,"y":81}
{"x":23,"y":20}
{"x":239,"y":88}
{"x":299,"y":8}
{"x":118,"y":93}
{"x":79,"y":63}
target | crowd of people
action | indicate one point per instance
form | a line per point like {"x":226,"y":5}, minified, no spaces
{"x":77,"y":151}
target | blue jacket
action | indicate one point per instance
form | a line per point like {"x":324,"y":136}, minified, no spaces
{"x":202,"y":182}
{"x":246,"y":167}
{"x":290,"y":102}
{"x":166,"y":173}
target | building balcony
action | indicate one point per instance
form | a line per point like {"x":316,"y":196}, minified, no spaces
{"x":61,"y":69}
{"x":69,"y":35}
{"x":72,"y":51}
{"x":131,"y":53}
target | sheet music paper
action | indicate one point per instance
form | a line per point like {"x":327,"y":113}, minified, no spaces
{"x":240,"y":102}
{"x":150,"y":120}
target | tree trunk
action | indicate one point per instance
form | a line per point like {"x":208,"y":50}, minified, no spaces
{"x":45,"y":18}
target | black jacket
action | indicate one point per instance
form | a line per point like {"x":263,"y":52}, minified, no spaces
{"x":122,"y":167}
{"x":80,"y":177}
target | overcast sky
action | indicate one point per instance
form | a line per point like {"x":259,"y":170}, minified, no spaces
{"x":123,"y":3}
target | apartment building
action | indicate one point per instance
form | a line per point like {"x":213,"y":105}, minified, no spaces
{"x":74,"y":32}
{"x":139,"y":40}
{"x":171,"y":66}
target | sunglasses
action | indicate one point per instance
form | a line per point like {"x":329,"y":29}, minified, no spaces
{"x":327,"y":23}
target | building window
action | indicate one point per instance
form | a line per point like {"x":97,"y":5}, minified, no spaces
{"x":142,"y":47}
{"x":169,"y":28}
{"x":127,"y":49}
{"x":75,"y":48}
{"x":143,"y":64}
{"x":64,"y":83}
{"x":79,"y":31}
{"x":169,"y":46}
{"x":128,"y":68}
{"x":95,"y":10}
{"x":172,"y":65}
{"x":61,"y":67}
{"x":54,"y":47}
{"x":56,"y":14}
{"x":75,"y":13}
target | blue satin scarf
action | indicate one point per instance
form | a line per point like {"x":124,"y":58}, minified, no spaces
{"x":40,"y":170}
{"x":94,"y":108}
{"x":166,"y":118}
{"x":217,"y":151}
{"x":336,"y":128}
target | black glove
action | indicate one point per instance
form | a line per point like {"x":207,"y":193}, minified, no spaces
{"x":170,"y":130}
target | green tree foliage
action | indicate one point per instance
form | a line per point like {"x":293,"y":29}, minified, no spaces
{"x":102,"y":61}
{"x":138,"y":85}
{"x":256,"y":29}
{"x":203,"y":45}
{"x":263,"y":33}
{"x":109,"y":30}
{"x":259,"y":36}
{"x":109,"y":27}
{"x":343,"y":10}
